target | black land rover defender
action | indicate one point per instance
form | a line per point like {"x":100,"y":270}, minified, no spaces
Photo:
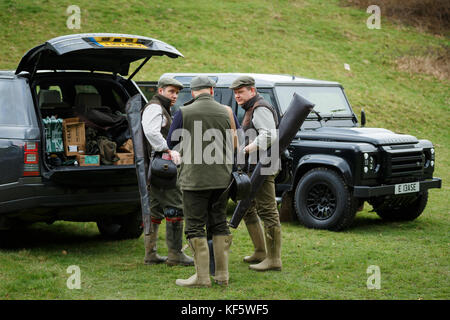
{"x":333,"y":165}
{"x":71,"y":77}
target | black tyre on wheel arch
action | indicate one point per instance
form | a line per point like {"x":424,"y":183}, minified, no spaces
{"x":324,"y":201}
{"x":402,"y":209}
{"x":124,"y":227}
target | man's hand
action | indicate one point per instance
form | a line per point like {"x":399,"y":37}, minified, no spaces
{"x":175,"y":155}
{"x":250,"y":148}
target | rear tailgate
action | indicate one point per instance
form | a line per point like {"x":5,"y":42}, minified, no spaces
{"x":94,"y":52}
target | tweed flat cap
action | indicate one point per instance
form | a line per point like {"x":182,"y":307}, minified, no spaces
{"x":202,"y":82}
{"x":164,"y":82}
{"x":243,"y":81}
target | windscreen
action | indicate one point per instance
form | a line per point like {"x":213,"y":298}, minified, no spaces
{"x":327,"y":100}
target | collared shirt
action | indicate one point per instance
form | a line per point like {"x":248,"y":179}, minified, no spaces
{"x":152,"y":121}
{"x":265,"y":125}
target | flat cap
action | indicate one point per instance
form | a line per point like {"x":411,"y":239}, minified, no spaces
{"x":164,"y":82}
{"x":243,"y":81}
{"x":202,"y":82}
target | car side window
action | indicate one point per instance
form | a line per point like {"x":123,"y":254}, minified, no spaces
{"x":55,"y":88}
{"x":148,"y":91}
{"x":267,"y":94}
{"x":83,"y":88}
{"x":16,"y":103}
{"x":183,"y":97}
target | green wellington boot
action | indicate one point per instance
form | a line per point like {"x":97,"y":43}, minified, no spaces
{"x":201,"y":261}
{"x":151,"y":257}
{"x":174,"y":239}
{"x":221,"y":245}
{"x":273,"y":259}
{"x":256,"y":233}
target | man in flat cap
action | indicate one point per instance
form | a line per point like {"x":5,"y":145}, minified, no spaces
{"x":203,"y":182}
{"x":261,"y":118}
{"x":164,"y":203}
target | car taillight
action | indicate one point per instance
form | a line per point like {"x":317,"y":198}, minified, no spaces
{"x":31,"y":159}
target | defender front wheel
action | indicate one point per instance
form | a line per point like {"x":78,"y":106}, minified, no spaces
{"x":323,"y":200}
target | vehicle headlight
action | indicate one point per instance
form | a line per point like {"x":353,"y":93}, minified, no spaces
{"x":370,"y":163}
{"x":373,"y":164}
{"x":429,"y":158}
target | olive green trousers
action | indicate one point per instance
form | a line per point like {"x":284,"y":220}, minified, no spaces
{"x":163,"y":198}
{"x":264,"y":205}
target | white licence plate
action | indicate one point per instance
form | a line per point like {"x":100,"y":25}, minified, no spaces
{"x":407,"y":187}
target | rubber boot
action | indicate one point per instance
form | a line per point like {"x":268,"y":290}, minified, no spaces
{"x":201,"y":261}
{"x":273,"y":259}
{"x":221,"y":245}
{"x":174,"y":240}
{"x":256,"y":233}
{"x":151,"y":257}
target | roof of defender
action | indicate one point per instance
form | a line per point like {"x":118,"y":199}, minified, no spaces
{"x":261,"y":80}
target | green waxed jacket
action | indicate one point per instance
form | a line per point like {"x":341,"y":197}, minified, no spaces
{"x":197,"y":171}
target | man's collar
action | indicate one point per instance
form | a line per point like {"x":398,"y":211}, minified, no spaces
{"x":200,"y":96}
{"x":165,"y":102}
{"x":203,"y":96}
{"x":247,"y":105}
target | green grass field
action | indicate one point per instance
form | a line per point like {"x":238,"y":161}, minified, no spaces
{"x":311,"y":38}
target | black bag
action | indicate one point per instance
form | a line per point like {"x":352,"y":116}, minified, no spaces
{"x":240,"y":186}
{"x":163,"y":173}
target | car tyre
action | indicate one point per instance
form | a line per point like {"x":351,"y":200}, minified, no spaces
{"x":126,"y":227}
{"x":324,"y":201}
{"x":402,"y":209}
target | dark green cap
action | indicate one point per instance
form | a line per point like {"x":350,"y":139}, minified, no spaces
{"x":202,"y":82}
{"x":243,"y":81}
{"x":164,"y":82}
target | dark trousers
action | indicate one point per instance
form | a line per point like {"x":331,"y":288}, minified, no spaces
{"x":163,"y":198}
{"x":204,"y":208}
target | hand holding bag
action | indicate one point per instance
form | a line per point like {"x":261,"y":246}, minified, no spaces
{"x":163,"y":172}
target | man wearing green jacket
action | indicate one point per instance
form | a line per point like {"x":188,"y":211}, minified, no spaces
{"x":203,"y":181}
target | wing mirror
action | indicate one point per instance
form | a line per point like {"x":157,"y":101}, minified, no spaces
{"x":363,"y":118}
